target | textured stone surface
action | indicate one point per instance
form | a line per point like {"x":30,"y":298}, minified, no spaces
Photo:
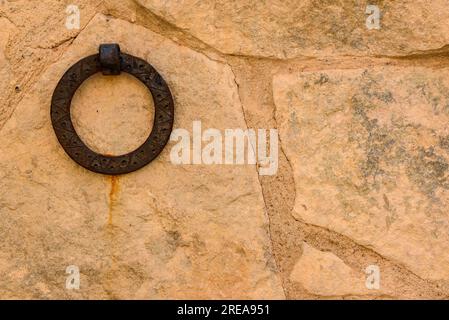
{"x":6,"y":30}
{"x":363,"y":159}
{"x":369,"y":155}
{"x":287,"y":29}
{"x":164,"y":231}
{"x":39,"y":37}
{"x":325,"y":274}
{"x":113,"y":115}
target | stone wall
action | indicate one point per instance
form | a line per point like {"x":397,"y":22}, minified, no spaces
{"x":363,"y":167}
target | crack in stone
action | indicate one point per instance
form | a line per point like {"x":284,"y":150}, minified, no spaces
{"x":310,"y":233}
{"x":261,"y":188}
{"x":43,"y":70}
{"x":199,"y":46}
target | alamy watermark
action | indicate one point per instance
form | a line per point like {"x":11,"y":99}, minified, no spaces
{"x":73,"y":280}
{"x":229,"y":147}
{"x":73,"y":20}
{"x":373,"y":277}
{"x":373,"y":20}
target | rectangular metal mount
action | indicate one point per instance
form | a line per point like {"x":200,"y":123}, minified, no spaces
{"x":110,"y":59}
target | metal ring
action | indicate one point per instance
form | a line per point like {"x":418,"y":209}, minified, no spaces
{"x":111,"y":61}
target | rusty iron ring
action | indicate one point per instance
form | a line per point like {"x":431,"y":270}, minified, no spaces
{"x":110,"y":61}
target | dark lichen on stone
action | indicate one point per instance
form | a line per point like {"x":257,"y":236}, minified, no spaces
{"x":429,"y":171}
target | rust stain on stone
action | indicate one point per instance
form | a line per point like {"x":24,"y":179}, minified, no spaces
{"x":113,"y":197}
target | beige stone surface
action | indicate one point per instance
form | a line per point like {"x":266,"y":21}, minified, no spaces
{"x":288,"y":29}
{"x":6,"y":31}
{"x":324,"y":274}
{"x":113,"y":115}
{"x":165,"y":231}
{"x":363,"y":155}
{"x":38,"y":38}
{"x":369,"y":156}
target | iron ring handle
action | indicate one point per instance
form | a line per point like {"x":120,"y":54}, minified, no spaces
{"x":110,"y":61}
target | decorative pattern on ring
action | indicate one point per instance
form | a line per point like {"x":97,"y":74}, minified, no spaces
{"x":77,"y":149}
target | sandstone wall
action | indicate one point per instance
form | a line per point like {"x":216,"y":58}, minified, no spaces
{"x":363,"y":177}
